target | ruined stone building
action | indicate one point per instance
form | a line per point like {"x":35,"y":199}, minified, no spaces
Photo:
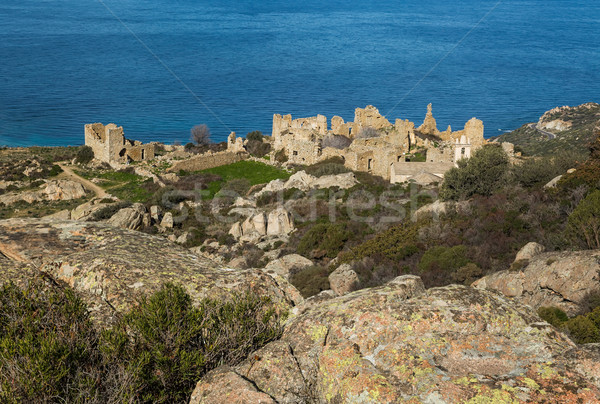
{"x":110,"y":145}
{"x":388,"y":154}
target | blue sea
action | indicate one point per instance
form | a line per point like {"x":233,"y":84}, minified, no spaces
{"x":159,"y":67}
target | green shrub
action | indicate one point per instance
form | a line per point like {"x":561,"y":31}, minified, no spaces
{"x":448,"y":259}
{"x":255,"y":135}
{"x":553,"y":315}
{"x":48,"y":346}
{"x":51,"y":352}
{"x":55,"y":170}
{"x":258,"y":148}
{"x":584,"y":222}
{"x":84,"y":155}
{"x":468,"y":274}
{"x":396,"y":243}
{"x":310,"y":281}
{"x":583,"y":330}
{"x":482,"y":174}
{"x":324,"y":239}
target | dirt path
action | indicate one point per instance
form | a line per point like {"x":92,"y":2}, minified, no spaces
{"x":69,"y":174}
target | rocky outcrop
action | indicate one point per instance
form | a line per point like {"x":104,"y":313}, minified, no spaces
{"x":344,"y":280}
{"x":561,"y":279}
{"x":54,"y":190}
{"x":278,"y":223}
{"x":63,"y":190}
{"x":400,"y":343}
{"x":305,"y":182}
{"x":112,"y":267}
{"x":288,"y":265}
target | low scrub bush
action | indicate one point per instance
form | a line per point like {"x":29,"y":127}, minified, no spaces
{"x":51,"y":352}
{"x":553,"y":315}
{"x":324,"y":239}
{"x":84,"y":155}
{"x":584,"y":222}
{"x":310,"y":281}
{"x":258,"y":148}
{"x":48,"y":346}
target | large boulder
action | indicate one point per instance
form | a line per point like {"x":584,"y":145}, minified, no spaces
{"x":111,"y":268}
{"x":344,"y":280}
{"x":288,"y":265}
{"x":342,"y":181}
{"x":255,"y":226}
{"x":400,"y":343}
{"x":561,"y":279}
{"x":129,"y":218}
{"x":280,"y":222}
{"x":300,"y":180}
{"x":63,"y":190}
{"x":86,"y":211}
{"x":529,"y":251}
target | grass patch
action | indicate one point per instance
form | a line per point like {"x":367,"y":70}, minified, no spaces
{"x":252,"y":171}
{"x":124,"y":185}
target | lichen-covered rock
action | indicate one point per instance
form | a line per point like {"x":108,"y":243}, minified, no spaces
{"x":233,"y":389}
{"x":561,"y":279}
{"x":399,"y":343}
{"x":344,"y":280}
{"x":112,"y":267}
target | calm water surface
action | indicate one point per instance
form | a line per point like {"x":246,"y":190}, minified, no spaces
{"x":64,"y":63}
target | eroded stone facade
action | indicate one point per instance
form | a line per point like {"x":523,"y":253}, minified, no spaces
{"x":110,"y":145}
{"x":385,"y":155}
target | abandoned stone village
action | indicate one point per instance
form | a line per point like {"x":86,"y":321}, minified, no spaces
{"x":398,"y":152}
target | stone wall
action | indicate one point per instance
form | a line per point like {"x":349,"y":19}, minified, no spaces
{"x":404,"y":171}
{"x":208,"y":160}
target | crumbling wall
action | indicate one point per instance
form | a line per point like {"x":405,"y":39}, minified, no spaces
{"x":208,"y":160}
{"x":235,"y":144}
{"x":403,"y":171}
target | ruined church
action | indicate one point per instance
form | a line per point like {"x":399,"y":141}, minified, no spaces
{"x":389,"y":153}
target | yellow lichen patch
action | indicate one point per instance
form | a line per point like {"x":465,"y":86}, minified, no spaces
{"x":488,"y":396}
{"x":530,"y":383}
{"x":317,"y":333}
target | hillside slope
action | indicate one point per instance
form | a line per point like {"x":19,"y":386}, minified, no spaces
{"x":562,"y":129}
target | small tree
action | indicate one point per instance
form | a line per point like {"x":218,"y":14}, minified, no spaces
{"x":255,"y":135}
{"x":482,"y":174}
{"x":201,"y":135}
